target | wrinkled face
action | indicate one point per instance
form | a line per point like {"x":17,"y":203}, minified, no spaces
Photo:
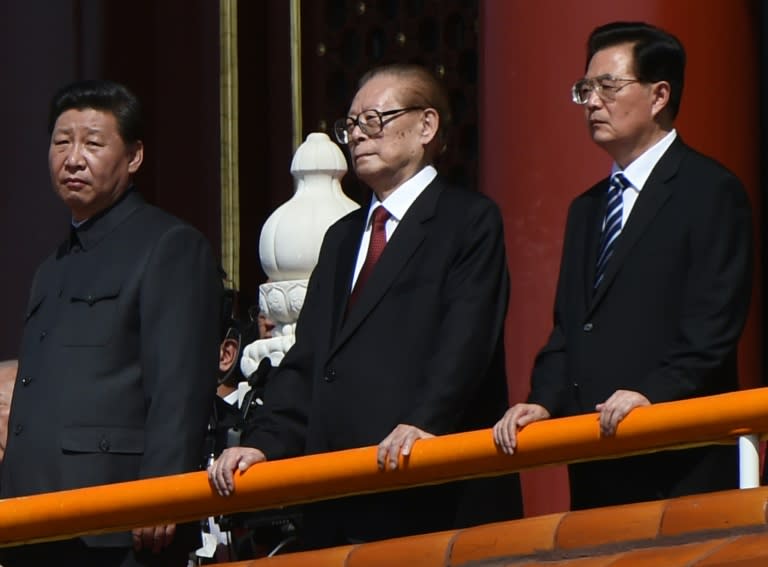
{"x":622,"y":124}
{"x":385,"y":160}
{"x":90,"y":164}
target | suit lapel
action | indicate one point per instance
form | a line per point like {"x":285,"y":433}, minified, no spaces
{"x":408,"y":237}
{"x":347,"y":258}
{"x":594,"y":224}
{"x":650,"y":201}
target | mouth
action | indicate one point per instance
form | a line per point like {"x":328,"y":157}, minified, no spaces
{"x":74,"y":183}
{"x":595,"y":125}
{"x":362,"y":155}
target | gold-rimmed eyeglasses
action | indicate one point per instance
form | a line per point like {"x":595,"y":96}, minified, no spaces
{"x":604,"y":86}
{"x":370,"y":121}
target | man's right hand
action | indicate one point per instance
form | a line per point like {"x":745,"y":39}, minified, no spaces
{"x":221,"y":471}
{"x":517,"y":417}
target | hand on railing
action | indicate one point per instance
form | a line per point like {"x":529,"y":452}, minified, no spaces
{"x":399,"y":442}
{"x":616,"y":408}
{"x":516,"y":417}
{"x":221,"y":471}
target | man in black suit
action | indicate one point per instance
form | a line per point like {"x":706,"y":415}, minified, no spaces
{"x":416,"y":349}
{"x":655,"y":277}
{"x":119,"y":349}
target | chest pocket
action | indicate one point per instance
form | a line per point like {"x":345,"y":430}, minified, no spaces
{"x":102,"y":440}
{"x":90,"y":316}
{"x":99,"y":455}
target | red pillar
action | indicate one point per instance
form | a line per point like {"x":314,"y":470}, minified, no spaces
{"x":536,"y":156}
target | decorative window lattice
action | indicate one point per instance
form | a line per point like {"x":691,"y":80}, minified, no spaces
{"x":342,"y":39}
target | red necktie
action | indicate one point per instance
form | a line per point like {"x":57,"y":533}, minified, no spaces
{"x":375,"y":248}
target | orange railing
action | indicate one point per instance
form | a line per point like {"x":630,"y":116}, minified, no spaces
{"x":187,"y":497}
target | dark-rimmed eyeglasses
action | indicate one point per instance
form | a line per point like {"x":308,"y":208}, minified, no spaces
{"x":604,"y":86}
{"x":370,"y":122}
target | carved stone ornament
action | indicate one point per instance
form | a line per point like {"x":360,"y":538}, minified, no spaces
{"x":290,"y":242}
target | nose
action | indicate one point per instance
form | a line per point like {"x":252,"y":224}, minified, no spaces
{"x":593,"y":100}
{"x":74,"y":158}
{"x":356,"y":133}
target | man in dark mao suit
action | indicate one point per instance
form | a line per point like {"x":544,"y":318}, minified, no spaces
{"x":663,"y":321}
{"x":417,"y":349}
{"x":119,"y":350}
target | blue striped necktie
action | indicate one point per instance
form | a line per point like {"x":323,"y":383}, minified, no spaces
{"x":612,"y":225}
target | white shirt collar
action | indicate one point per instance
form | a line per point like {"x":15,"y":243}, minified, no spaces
{"x":638,"y":171}
{"x":400,"y":200}
{"x":231,"y":398}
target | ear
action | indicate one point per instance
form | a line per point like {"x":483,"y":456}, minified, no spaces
{"x":430,"y":123}
{"x":660,"y":93}
{"x":136,"y":156}
{"x":228,"y":354}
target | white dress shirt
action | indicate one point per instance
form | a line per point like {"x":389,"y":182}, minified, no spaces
{"x":638,"y":171}
{"x":398,"y":203}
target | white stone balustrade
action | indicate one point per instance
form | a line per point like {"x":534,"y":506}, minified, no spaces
{"x":290,"y":242}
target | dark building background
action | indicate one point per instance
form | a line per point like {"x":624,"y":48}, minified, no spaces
{"x":343,"y":39}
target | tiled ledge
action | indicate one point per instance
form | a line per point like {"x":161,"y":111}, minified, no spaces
{"x":724,"y":528}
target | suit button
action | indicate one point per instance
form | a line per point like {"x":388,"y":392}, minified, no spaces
{"x":26,"y":381}
{"x":43,"y":334}
{"x":588,"y":327}
{"x":104,"y":445}
{"x":330,"y":375}
{"x":18,"y":429}
{"x":90,"y":300}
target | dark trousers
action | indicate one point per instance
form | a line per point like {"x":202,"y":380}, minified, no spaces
{"x":74,"y":553}
{"x":372,"y":517}
{"x":656,"y":476}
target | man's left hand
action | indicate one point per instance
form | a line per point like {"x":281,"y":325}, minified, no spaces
{"x":399,"y":442}
{"x":616,"y":408}
{"x":154,"y":538}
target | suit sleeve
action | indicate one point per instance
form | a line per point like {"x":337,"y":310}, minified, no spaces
{"x":179,"y":319}
{"x":549,"y":380}
{"x":717,"y":296}
{"x":470,"y":332}
{"x":280,"y":429}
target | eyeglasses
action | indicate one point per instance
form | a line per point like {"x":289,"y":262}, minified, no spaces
{"x":371,"y":122}
{"x":604,"y":86}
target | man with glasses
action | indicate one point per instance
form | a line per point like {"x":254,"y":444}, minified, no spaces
{"x":655,"y":277}
{"x":401,"y":333}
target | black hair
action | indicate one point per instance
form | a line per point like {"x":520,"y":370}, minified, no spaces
{"x":106,"y":96}
{"x":231,"y":327}
{"x":657,"y":54}
{"x":229,"y":317}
